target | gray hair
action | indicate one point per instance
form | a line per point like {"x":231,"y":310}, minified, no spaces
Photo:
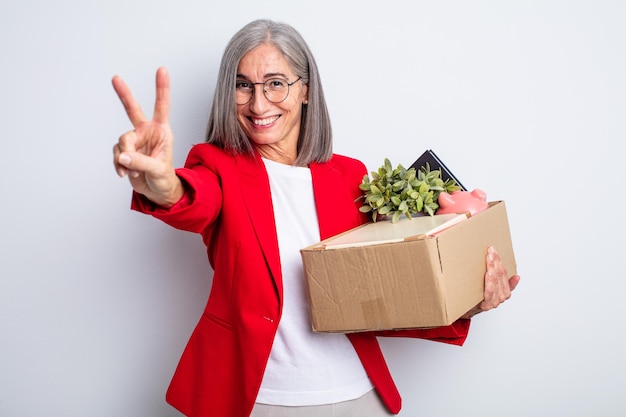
{"x":224,"y":131}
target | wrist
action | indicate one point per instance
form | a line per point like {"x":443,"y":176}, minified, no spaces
{"x":167,"y":196}
{"x":173,"y":197}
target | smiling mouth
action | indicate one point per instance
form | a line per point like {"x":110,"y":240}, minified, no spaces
{"x":264,"y":122}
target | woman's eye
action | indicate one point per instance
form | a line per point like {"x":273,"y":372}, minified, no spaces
{"x":276,"y":84}
{"x":240,"y":84}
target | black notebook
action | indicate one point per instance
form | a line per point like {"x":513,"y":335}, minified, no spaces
{"x":435,"y":163}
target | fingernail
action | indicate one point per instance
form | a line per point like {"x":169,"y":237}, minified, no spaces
{"x":124,"y":159}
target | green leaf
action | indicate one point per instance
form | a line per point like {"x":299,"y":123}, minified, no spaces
{"x":387,"y":165}
{"x":399,"y":185}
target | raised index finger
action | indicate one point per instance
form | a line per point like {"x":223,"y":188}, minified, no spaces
{"x":133,"y":110}
{"x":162,"y":103}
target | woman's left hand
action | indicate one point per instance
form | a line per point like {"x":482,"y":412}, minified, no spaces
{"x":498,"y":285}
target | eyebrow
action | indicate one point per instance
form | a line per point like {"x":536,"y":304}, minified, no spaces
{"x":266,"y":76}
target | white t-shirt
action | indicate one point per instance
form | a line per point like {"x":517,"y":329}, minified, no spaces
{"x":304,"y":368}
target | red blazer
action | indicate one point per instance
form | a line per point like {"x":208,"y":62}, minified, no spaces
{"x":228,"y":202}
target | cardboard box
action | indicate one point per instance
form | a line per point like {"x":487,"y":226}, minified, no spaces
{"x":419,"y":281}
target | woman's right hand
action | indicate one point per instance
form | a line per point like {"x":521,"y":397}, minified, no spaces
{"x":145,"y":153}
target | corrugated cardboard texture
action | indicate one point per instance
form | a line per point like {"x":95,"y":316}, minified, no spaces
{"x":416,"y":283}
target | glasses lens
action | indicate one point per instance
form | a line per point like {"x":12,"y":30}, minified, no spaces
{"x":276,"y":90}
{"x":243,"y":91}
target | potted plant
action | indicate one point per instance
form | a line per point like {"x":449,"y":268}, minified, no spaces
{"x":395,"y":192}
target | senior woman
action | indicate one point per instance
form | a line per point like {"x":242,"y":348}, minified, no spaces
{"x":258,"y":191}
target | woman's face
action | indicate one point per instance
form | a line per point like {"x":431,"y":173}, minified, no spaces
{"x":272,"y":127}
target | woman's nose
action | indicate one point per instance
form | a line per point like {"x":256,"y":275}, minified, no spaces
{"x":259,"y":102}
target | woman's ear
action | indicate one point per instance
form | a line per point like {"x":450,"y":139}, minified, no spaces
{"x":305,"y":100}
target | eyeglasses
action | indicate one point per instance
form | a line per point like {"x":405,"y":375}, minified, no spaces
{"x":275,"y":90}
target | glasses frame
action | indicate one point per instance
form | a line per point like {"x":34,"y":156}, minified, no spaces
{"x":252,"y":91}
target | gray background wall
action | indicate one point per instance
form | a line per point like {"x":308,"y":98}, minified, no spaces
{"x":524,"y":99}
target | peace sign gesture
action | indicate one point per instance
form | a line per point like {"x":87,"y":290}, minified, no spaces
{"x":145,"y":153}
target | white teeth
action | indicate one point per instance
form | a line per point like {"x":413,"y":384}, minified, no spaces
{"x":264,"y":122}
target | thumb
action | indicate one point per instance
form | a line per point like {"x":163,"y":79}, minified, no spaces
{"x":135,"y":161}
{"x":513,"y":281}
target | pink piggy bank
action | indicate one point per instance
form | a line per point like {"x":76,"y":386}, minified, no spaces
{"x":462,"y":201}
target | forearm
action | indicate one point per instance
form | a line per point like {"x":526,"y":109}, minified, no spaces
{"x":455,"y":334}
{"x":471,"y":313}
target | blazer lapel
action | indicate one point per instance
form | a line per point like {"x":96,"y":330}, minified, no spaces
{"x":255,"y":192}
{"x":322,"y":175}
{"x":335,"y":215}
